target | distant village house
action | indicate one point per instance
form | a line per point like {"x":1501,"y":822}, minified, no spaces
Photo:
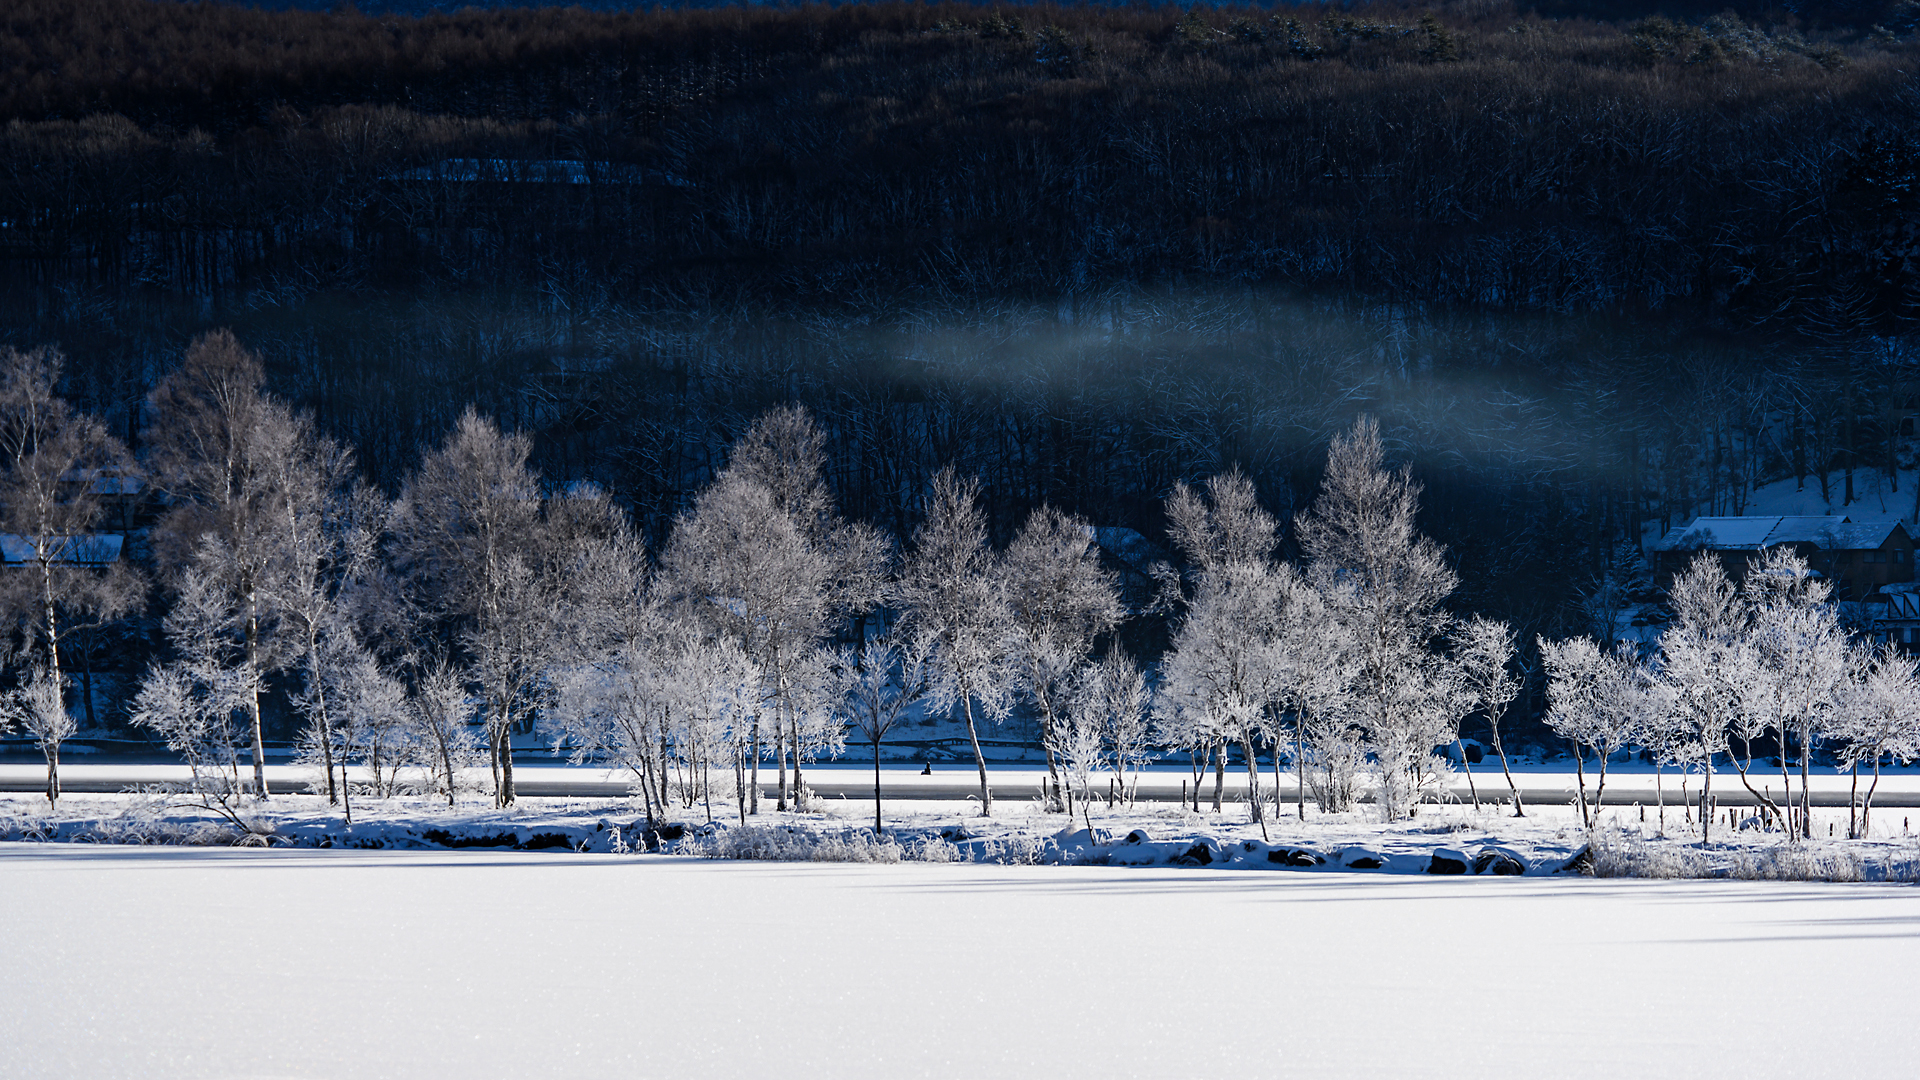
{"x":1860,"y":558}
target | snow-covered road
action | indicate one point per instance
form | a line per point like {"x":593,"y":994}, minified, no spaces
{"x":187,"y":962}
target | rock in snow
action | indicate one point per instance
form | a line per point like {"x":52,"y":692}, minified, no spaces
{"x":1499,"y":861}
{"x":1448,"y":861}
{"x":1359,"y":858}
{"x":1200,"y":854}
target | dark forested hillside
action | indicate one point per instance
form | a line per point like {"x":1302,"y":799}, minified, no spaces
{"x":1588,"y":273}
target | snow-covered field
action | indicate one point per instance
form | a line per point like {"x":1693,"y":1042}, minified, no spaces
{"x":187,"y":962}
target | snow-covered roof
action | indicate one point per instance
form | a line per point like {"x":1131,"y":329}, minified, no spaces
{"x":1903,"y":605}
{"x":1754,"y":533}
{"x":1864,"y":535}
{"x":95,"y":549}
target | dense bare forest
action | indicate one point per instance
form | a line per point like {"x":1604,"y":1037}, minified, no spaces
{"x":1589,"y":273}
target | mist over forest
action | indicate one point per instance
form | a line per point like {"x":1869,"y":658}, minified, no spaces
{"x":1593,"y":268}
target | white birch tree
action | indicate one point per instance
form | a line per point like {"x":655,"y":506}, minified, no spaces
{"x":222,"y":449}
{"x":1877,"y":719}
{"x":1060,"y":600}
{"x":878,"y":683}
{"x":1796,"y":654}
{"x":52,"y":460}
{"x":1698,"y":649}
{"x":1386,"y":582}
{"x":468,"y":537}
{"x":953,"y":593}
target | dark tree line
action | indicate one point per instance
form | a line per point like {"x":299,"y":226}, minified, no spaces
{"x":1590,"y":276}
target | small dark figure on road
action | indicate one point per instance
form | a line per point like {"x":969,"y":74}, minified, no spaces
{"x":928,"y":770}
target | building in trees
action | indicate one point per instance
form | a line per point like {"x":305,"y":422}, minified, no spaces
{"x":1859,"y":557}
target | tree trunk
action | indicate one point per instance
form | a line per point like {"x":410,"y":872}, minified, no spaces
{"x":1853,"y":804}
{"x":1467,"y":767}
{"x":1300,"y":761}
{"x":1806,"y":798}
{"x":1053,"y":769}
{"x":1219,"y":774}
{"x":326,"y":728}
{"x":1866,"y":807}
{"x":1660,"y":796}
{"x":986,"y":795}
{"x":799,"y":782}
{"x":1759,"y":797}
{"x":253,"y":707}
{"x":506,"y":765}
{"x":1278,"y":809}
{"x":1706,"y":803}
{"x":1600,"y":791}
{"x":1506,"y":769}
{"x":1580,"y":772}
{"x":52,"y":750}
{"x":753,"y":785}
{"x":877,"y":827}
{"x":780,"y":759}
{"x":1253,"y":784}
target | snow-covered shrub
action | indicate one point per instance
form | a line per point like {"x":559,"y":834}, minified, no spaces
{"x":935,"y":849}
{"x":774,"y":844}
{"x":1016,"y":850}
{"x":1785,"y":862}
{"x":1630,"y":857}
{"x":1625,"y":855}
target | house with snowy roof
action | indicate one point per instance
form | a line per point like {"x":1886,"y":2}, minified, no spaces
{"x":1860,"y":557}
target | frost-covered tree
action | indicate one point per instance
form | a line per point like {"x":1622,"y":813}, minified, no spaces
{"x":222,"y":449}
{"x":1060,"y":601}
{"x":469,"y":538}
{"x":1118,"y":687}
{"x":39,"y":704}
{"x":952,"y":593}
{"x":53,"y":463}
{"x":877,"y":683}
{"x":611,"y":698}
{"x":330,"y":528}
{"x":714,"y":692}
{"x":1078,"y":742}
{"x":1664,"y":735}
{"x":1386,"y":583}
{"x":1796,"y":662}
{"x":1877,"y":717}
{"x":374,"y":721}
{"x":201,"y":700}
{"x":1698,"y":649}
{"x":439,"y":710}
{"x":1221,"y":677}
{"x":1483,"y":651}
{"x":762,"y":560}
{"x":1600,"y":700}
{"x":1317,"y":658}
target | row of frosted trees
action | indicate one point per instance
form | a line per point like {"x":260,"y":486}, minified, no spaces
{"x":1759,"y":673}
{"x":414,"y":635}
{"x":480,"y":598}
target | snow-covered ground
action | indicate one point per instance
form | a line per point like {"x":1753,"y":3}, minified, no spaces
{"x":1021,"y":830}
{"x":1627,"y":782}
{"x":149,"y":962}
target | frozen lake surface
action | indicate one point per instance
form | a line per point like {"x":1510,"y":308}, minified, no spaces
{"x":327,"y":963}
